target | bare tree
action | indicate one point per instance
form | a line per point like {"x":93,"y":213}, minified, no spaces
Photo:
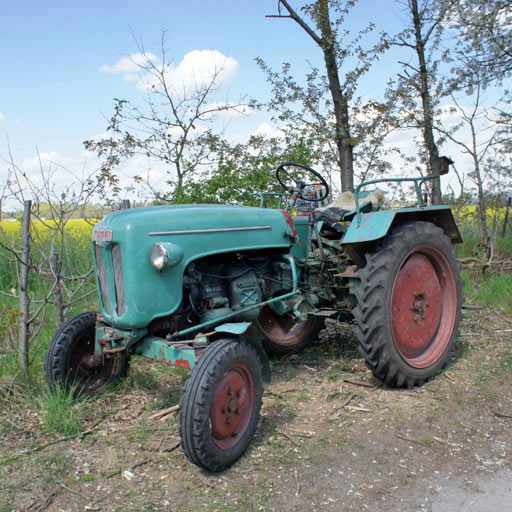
{"x":43,"y":267}
{"x":175,"y":125}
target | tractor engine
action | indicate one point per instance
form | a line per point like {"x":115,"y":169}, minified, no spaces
{"x":215,"y":287}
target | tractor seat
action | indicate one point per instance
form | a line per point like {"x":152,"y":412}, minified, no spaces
{"x":330,"y":215}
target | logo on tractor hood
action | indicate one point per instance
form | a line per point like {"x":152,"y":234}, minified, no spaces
{"x":101,"y":235}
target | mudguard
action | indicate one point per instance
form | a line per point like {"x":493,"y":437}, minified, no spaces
{"x":375,"y":225}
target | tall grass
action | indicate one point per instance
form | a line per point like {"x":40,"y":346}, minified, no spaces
{"x":62,"y":410}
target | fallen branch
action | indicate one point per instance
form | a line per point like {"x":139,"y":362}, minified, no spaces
{"x":359,"y":383}
{"x":141,"y":463}
{"x":502,"y":415}
{"x":296,"y":475}
{"x":411,"y":439}
{"x":288,"y":436}
{"x":356,"y":408}
{"x":46,"y":501}
{"x":165,"y":412}
{"x":337,"y":410}
{"x":172,"y":447}
{"x":73,"y":491}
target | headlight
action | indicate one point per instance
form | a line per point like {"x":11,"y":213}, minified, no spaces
{"x":164,"y":254}
{"x":158,"y":256}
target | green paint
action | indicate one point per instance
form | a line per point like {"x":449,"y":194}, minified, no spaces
{"x":198,"y":231}
{"x":375,"y":225}
{"x":236,"y":328}
{"x":160,"y":349}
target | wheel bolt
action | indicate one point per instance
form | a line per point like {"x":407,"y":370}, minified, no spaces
{"x":229,"y":421}
{"x":223,"y":410}
{"x":238,"y":410}
{"x":238,"y":393}
{"x":230,"y":392}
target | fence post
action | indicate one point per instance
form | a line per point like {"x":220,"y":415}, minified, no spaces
{"x":125,"y":204}
{"x":59,"y":308}
{"x":24,"y":299}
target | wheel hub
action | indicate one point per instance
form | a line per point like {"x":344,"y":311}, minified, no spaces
{"x":231,"y":408}
{"x":416,"y":306}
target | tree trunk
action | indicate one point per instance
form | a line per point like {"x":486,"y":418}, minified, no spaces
{"x":24,"y":299}
{"x":506,"y":217}
{"x":426,"y":103}
{"x":59,"y":308}
{"x":344,"y":141}
{"x":340,"y":101}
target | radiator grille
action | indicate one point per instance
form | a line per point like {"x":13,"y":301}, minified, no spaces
{"x":118,"y":279}
{"x":102,"y":277}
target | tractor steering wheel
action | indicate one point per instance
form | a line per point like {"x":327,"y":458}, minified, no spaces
{"x":285,"y":176}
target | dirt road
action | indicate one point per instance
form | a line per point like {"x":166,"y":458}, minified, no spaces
{"x":330,"y":438}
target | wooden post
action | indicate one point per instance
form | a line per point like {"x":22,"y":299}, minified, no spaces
{"x":125,"y":204}
{"x":59,"y":308}
{"x":506,"y":217}
{"x":24,"y":297}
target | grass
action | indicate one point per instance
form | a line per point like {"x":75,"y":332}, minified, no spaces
{"x":493,"y":290}
{"x":61,"y":410}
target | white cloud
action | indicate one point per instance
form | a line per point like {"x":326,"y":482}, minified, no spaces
{"x":268,"y":130}
{"x":31,"y":165}
{"x":130,"y":64}
{"x":2,"y":117}
{"x":197,"y":70}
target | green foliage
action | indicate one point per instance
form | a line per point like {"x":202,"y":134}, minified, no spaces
{"x":62,"y":411}
{"x":244,"y":169}
{"x":494,"y":290}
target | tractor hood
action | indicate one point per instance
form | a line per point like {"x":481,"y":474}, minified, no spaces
{"x":132,"y":292}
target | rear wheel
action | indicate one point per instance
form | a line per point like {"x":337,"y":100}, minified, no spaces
{"x":69,"y":360}
{"x":283,"y":334}
{"x":409,"y":304}
{"x":221,"y":404}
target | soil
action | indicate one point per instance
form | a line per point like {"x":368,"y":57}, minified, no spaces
{"x":330,"y":437}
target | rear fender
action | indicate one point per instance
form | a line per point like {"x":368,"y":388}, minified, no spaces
{"x":376,"y":225}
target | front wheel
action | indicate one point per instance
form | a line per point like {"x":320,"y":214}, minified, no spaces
{"x":221,"y":404}
{"x":70,"y":362}
{"x":409,"y":304}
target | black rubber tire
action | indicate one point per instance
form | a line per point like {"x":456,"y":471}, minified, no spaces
{"x":220,"y":360}
{"x":375,"y":295}
{"x":74,"y":338}
{"x":293,"y":336}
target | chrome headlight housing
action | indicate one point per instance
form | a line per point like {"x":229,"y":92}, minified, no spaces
{"x":158,"y":256}
{"x":165,"y":254}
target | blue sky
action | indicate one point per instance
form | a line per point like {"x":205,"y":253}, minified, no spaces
{"x":53,"y":95}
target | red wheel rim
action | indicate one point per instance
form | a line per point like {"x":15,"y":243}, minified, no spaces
{"x":283,"y":330}
{"x":232,"y":406}
{"x":424,"y":306}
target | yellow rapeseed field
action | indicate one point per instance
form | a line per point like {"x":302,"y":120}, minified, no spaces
{"x":77,"y":231}
{"x":74,"y":245}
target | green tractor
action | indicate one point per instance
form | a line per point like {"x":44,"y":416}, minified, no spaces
{"x":217,"y":288}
